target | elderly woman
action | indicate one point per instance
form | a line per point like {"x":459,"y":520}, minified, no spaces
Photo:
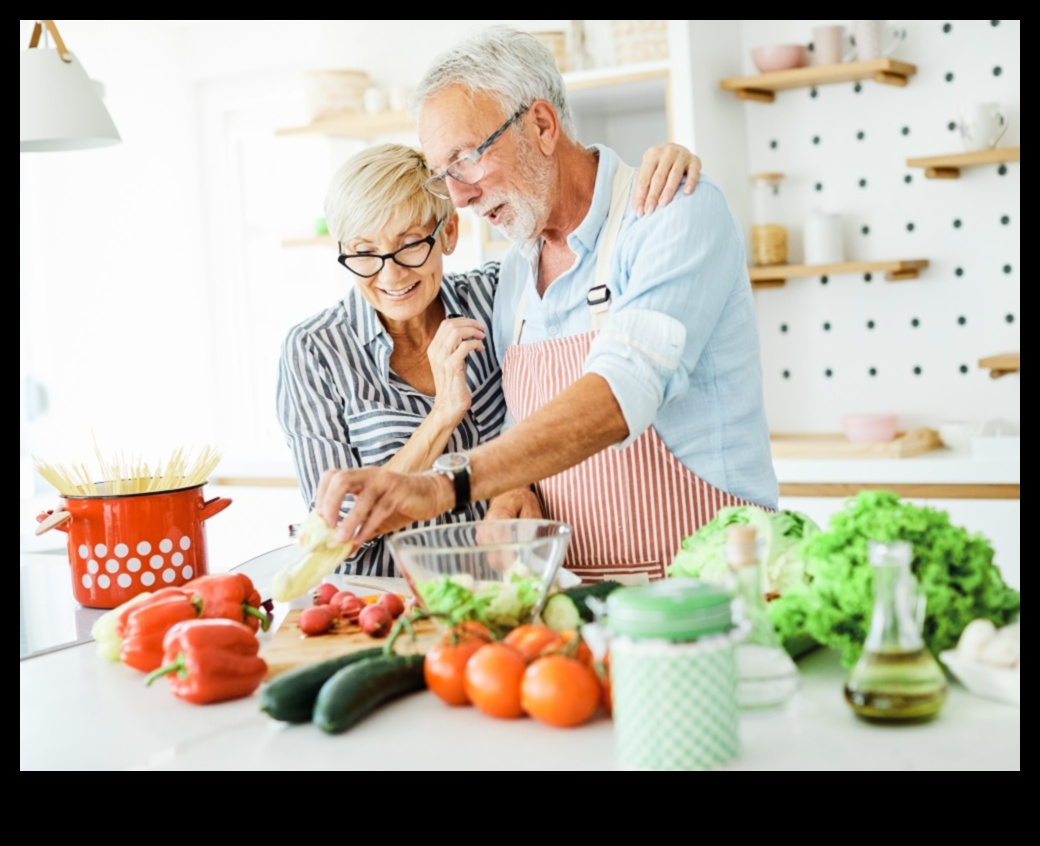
{"x":403,"y":368}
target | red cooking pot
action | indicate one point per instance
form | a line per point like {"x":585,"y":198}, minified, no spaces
{"x":124,"y":544}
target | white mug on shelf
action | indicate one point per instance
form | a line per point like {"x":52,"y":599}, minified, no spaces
{"x":982,"y":125}
{"x":876,"y":39}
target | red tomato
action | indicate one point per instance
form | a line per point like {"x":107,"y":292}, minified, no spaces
{"x":444,"y":666}
{"x":560,"y":691}
{"x":532,"y":639}
{"x":492,"y":680}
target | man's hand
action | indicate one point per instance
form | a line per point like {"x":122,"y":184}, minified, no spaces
{"x":383,"y":500}
{"x":659,"y":175}
{"x":518,"y":503}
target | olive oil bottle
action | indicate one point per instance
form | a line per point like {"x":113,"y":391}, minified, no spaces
{"x":896,"y":679}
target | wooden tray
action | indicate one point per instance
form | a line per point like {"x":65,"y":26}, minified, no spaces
{"x":905,"y":445}
{"x":289,"y":648}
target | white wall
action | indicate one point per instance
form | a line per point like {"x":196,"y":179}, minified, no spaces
{"x":965,"y":305}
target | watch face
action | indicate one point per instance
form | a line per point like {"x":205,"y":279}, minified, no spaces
{"x":453,"y":461}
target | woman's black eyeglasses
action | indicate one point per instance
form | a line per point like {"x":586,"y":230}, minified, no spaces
{"x":367,"y":265}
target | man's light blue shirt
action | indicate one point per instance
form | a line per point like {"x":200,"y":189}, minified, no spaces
{"x":680,"y":347}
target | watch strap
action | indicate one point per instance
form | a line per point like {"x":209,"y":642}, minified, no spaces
{"x":460,"y":479}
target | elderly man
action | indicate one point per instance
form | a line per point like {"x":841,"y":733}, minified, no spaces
{"x":628,"y":344}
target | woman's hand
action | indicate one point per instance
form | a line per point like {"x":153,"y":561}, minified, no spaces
{"x":660,"y":173}
{"x":456,"y":338}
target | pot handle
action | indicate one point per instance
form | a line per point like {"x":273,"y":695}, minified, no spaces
{"x":213,"y":506}
{"x":52,"y":520}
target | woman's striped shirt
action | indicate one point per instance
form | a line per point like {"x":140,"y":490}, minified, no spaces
{"x":341,"y":406}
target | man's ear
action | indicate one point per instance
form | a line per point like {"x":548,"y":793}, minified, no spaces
{"x":542,"y":118}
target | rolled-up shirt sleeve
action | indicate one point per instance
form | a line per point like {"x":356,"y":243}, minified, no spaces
{"x":671,"y":276}
{"x":639,"y":353}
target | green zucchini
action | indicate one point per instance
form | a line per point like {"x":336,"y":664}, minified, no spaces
{"x":567,"y":609}
{"x":290,"y":696}
{"x":359,"y":688}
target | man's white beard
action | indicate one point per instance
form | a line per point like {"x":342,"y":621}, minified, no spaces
{"x":526,"y":211}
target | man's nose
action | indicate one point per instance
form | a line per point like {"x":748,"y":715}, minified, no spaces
{"x":462,"y":195}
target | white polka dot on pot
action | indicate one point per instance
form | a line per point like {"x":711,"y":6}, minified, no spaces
{"x":83,"y":550}
{"x":123,"y":580}
{"x":133,"y":564}
{"x":156,"y":562}
{"x":165,"y":545}
{"x":169,"y":575}
{"x":87,"y":581}
{"x":100,"y":550}
{"x":112,"y":565}
{"x":185,"y":543}
{"x":93,"y":566}
{"x":121,"y":550}
{"x":187,"y":572}
{"x":143,"y":548}
{"x":103,"y":582}
{"x":177,"y":559}
{"x":147,"y":578}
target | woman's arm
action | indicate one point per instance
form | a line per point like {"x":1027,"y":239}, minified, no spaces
{"x":456,"y":338}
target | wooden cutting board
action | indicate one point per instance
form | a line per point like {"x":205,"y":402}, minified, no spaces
{"x":289,"y":648}
{"x":906,"y":444}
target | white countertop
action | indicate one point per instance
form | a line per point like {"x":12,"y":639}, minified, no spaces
{"x":79,"y":712}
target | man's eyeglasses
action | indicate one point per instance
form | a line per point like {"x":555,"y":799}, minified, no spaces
{"x":367,"y":265}
{"x":467,"y":169}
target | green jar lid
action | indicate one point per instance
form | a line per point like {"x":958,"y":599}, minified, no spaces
{"x":669,"y":609}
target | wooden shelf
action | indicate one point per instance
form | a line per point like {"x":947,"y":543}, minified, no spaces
{"x":763,"y":87}
{"x":775,"y":275}
{"x":1001,"y":365}
{"x":356,"y":125}
{"x":949,"y":167}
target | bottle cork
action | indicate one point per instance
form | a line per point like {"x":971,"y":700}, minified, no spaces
{"x":741,"y":546}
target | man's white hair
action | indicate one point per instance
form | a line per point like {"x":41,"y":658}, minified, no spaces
{"x":511,"y":65}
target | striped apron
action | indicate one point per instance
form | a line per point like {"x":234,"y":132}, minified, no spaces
{"x":629,"y":508}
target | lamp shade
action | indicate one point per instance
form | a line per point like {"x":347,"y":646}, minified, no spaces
{"x":60,"y":106}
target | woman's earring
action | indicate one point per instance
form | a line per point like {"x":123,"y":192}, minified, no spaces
{"x":447,"y":249}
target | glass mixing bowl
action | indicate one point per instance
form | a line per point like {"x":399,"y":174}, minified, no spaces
{"x":516,"y":563}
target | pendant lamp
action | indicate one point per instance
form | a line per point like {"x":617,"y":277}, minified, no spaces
{"x":60,"y":105}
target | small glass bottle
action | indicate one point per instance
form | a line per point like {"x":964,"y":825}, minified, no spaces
{"x":767,"y":678}
{"x":768,"y":234}
{"x":896,"y":679}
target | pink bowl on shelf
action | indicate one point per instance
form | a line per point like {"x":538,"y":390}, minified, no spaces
{"x":870,"y":428}
{"x":774,"y":57}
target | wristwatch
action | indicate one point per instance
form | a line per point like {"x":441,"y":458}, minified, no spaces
{"x":455,"y":465}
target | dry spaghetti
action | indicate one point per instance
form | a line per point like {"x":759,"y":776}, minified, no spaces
{"x":129,"y":475}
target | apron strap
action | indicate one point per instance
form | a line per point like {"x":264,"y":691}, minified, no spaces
{"x":598,"y":298}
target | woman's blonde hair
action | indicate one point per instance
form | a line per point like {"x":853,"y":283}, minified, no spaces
{"x":380,"y":185}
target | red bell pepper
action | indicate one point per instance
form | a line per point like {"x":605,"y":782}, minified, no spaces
{"x":211,"y":660}
{"x":231,"y":596}
{"x":144,"y":625}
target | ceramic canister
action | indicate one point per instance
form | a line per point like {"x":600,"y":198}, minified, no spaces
{"x":673,"y":676}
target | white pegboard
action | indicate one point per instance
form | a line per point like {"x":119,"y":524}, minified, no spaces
{"x":965,"y":306}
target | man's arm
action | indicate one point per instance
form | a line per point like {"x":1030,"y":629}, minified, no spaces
{"x":542,"y":445}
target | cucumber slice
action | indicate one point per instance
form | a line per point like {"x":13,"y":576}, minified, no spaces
{"x":560,"y":613}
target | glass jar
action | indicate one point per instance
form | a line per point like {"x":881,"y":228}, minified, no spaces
{"x":673,"y":676}
{"x":768,"y":234}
